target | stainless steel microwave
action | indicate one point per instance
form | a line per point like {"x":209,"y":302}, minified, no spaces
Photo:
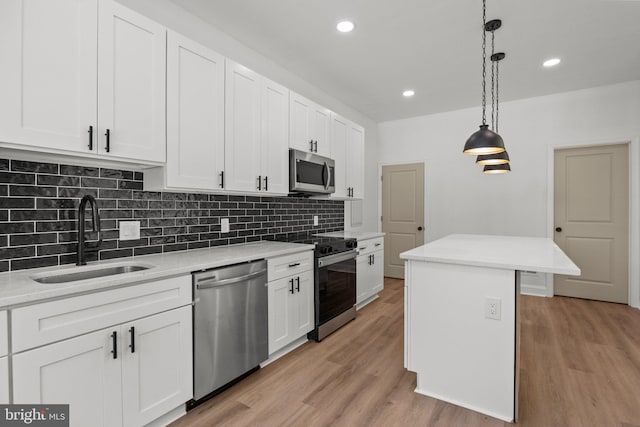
{"x":310,"y":173}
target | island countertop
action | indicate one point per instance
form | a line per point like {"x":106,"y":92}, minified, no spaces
{"x":504,"y":252}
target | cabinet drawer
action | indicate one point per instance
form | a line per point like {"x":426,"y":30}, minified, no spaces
{"x":288,"y":265}
{"x":368,"y":246}
{"x":4,"y":334}
{"x":40,"y":324}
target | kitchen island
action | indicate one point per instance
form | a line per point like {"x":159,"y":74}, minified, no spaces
{"x":461,"y":316}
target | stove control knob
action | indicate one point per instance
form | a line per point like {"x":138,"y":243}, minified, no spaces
{"x":352,"y":244}
{"x":325,"y":250}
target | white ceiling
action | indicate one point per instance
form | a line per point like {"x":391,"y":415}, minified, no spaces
{"x":433,"y":46}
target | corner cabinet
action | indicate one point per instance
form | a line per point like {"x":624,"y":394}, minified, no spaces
{"x":291,"y":297}
{"x":77,"y":70}
{"x":347,"y":148}
{"x":369,"y":270}
{"x":4,"y":359}
{"x":123,"y":374}
{"x":310,"y":126}
{"x":256,"y":137}
{"x":195,"y":119}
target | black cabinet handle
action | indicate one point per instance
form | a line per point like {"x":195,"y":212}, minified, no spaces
{"x":266,"y":183}
{"x":558,"y":229}
{"x":298,"y":284}
{"x":294,"y":265}
{"x":373,"y":259}
{"x":377,"y":244}
{"x":132,"y":346}
{"x":222,"y":179}
{"x":108,"y":135}
{"x":259,"y":182}
{"x":90,"y":138}
{"x":311,"y":142}
{"x":316,"y":149}
{"x":291,"y":289}
{"x":114,"y":338}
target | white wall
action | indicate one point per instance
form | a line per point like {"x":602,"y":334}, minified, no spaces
{"x":172,"y":16}
{"x":461,"y":199}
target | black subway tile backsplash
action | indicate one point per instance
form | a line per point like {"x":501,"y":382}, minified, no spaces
{"x":39,"y":201}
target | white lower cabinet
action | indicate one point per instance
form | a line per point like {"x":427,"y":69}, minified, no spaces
{"x":290,"y":309}
{"x":125,"y":375}
{"x":4,"y":380}
{"x":369,"y":270}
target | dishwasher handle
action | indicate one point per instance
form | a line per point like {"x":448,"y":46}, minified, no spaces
{"x":214,"y":282}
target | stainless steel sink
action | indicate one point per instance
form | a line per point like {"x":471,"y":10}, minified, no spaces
{"x":90,"y":274}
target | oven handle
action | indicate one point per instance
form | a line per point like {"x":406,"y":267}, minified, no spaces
{"x":333,"y":259}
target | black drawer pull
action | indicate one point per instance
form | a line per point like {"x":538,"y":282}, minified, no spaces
{"x":132,"y":346}
{"x":378,"y":244}
{"x":114,"y":337}
{"x":294,"y":265}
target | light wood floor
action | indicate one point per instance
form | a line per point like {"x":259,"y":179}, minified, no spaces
{"x":580,"y":366}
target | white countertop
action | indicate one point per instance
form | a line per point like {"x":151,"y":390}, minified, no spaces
{"x":360,"y":235}
{"x":504,"y":252}
{"x":17,"y":287}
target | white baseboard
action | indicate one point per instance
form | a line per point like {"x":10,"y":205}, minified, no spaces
{"x":532,"y":283}
{"x":278,"y":354}
{"x":169,"y":417}
{"x":367,"y":301}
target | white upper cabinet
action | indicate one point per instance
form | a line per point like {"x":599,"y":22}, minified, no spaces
{"x":242,"y":128}
{"x":48,"y":75}
{"x":195,"y":115}
{"x":73,"y":69}
{"x":310,"y":127}
{"x":347,"y":148}
{"x":256,"y":132}
{"x":131,"y":84}
{"x":275,"y":137}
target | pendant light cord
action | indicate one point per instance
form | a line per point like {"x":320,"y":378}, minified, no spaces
{"x":493,"y":94}
{"x":497,"y":92}
{"x":484,"y":62}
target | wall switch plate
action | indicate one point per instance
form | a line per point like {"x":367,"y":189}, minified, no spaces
{"x":315,"y":220}
{"x":224,"y":225}
{"x":492,"y":309}
{"x":129,"y":230}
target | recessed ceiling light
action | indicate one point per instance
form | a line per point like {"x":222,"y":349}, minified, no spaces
{"x":408,"y":93}
{"x":345,"y":26}
{"x":551,"y":62}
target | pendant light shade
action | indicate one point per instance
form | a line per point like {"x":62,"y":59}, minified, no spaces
{"x":493,"y":159}
{"x":484,"y":141}
{"x":493,"y":169}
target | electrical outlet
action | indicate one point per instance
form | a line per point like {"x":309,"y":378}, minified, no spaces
{"x":492,"y":309}
{"x":224,"y":225}
{"x":129,"y":230}
{"x":315,"y":220}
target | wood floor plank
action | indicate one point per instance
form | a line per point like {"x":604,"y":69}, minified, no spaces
{"x":580,"y":366}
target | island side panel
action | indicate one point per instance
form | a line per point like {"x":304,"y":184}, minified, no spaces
{"x":459,"y":355}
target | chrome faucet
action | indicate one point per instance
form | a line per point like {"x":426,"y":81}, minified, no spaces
{"x":89,"y":246}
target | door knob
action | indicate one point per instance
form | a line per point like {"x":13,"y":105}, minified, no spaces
{"x":420,"y":228}
{"x":558,"y":229}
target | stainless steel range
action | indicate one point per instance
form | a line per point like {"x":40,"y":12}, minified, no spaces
{"x":335,"y":282}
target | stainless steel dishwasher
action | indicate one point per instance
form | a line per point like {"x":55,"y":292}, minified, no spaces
{"x":230,"y":326}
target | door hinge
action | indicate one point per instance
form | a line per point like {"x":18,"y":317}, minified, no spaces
{"x":381,"y":177}
{"x":380,"y":217}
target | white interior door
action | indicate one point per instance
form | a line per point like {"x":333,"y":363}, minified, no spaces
{"x":48,"y":76}
{"x":402,"y":213}
{"x":131,"y":84}
{"x":591,"y":203}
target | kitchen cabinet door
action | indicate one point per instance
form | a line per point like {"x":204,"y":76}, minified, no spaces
{"x":302,"y":305}
{"x":131,"y":84}
{"x":243,"y":155}
{"x":364,"y":278}
{"x":48,"y":75}
{"x":321,"y":130}
{"x":280,"y":292}
{"x":195,"y":115}
{"x":339,"y":134}
{"x":377,"y":274}
{"x":275,"y":137}
{"x":157,"y":365}
{"x":4,"y":380}
{"x":355,"y":160}
{"x":81,"y":372}
{"x":301,"y":110}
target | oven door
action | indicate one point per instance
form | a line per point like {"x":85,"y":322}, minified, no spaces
{"x":311,"y":173}
{"x":336,"y":285}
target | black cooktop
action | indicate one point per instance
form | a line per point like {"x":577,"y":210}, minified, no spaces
{"x":324,"y":245}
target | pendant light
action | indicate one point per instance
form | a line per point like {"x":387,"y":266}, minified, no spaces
{"x":498,"y":158}
{"x":484,"y":141}
{"x":493,"y":169}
